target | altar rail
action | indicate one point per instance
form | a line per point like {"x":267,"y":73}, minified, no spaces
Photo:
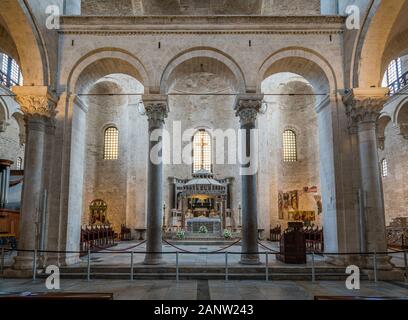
{"x":312,"y":256}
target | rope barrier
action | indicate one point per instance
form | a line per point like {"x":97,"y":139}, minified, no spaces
{"x":324,"y":253}
{"x":209,"y":252}
{"x":121,"y":250}
{"x":267,"y":248}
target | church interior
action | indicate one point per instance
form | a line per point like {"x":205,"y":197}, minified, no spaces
{"x":256,"y":140}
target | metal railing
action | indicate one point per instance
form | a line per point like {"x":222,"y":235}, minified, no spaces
{"x":7,"y":81}
{"x":399,"y":84}
{"x":267,"y":273}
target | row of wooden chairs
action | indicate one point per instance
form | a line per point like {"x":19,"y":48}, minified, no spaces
{"x":314,"y":239}
{"x":276,"y":234}
{"x":95,"y":237}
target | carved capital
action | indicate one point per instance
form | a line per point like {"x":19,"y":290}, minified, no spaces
{"x":156,"y":108}
{"x":36,"y":101}
{"x":365,"y":105}
{"x":247,"y":107}
{"x":34,"y":106}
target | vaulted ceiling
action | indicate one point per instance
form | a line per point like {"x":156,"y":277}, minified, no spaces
{"x":200,"y":7}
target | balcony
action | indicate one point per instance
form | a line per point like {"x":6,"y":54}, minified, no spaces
{"x":399,"y":84}
{"x":7,"y":81}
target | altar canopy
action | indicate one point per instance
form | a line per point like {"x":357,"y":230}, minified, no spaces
{"x":202,"y":197}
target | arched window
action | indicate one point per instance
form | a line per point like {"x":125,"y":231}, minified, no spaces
{"x":202,"y":151}
{"x":392,"y":76}
{"x":10,"y":74}
{"x":111,"y":144}
{"x":384,"y":168}
{"x":289,"y":146}
{"x":19,"y":164}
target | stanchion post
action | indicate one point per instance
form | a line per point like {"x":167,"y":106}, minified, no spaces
{"x":313,"y":267}
{"x":131,"y":266}
{"x":2,"y":261}
{"x":406,"y":265}
{"x":375,"y":266}
{"x":35,"y":265}
{"x":88,"y":273}
{"x":177,"y":267}
{"x":226,"y":266}
{"x":267,"y":266}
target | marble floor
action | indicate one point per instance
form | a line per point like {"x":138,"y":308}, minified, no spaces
{"x":210,"y":290}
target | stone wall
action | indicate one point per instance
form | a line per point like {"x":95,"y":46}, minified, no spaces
{"x":11,"y":147}
{"x":395,"y":186}
{"x":120,"y":183}
{"x":295,"y":113}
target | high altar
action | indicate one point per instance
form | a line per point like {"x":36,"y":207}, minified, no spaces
{"x":201,"y":201}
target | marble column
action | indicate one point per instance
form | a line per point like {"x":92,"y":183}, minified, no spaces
{"x":156,"y":107}
{"x":364,"y":107}
{"x":38,"y":106}
{"x":247,"y":108}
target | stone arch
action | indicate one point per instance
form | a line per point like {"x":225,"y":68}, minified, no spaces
{"x":400,"y":110}
{"x":21,"y":26}
{"x":7,"y":44}
{"x":401,"y":118}
{"x":371,"y":55}
{"x":397,"y":47}
{"x":215,"y":61}
{"x":319,"y":73}
{"x":97,"y":64}
{"x":304,"y":62}
{"x":382,"y":124}
{"x":4,"y":112}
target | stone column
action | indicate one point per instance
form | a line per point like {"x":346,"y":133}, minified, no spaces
{"x":156,"y":110}
{"x":38,"y":106}
{"x":4,"y":181}
{"x":247,"y":108}
{"x":364,"y":107}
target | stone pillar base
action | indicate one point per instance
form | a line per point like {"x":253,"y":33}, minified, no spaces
{"x":252,"y":259}
{"x":71,"y":259}
{"x":153,"y":259}
{"x":383,"y":263}
{"x":24,"y":262}
{"x":338,"y":261}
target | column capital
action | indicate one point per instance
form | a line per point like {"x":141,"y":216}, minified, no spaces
{"x":365,"y":105}
{"x":36,"y":101}
{"x":156,"y":107}
{"x":247,"y":107}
